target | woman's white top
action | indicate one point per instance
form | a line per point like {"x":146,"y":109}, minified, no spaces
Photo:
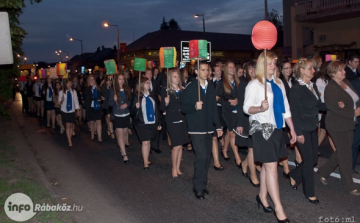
{"x":353,"y":95}
{"x":255,"y":94}
{"x":321,"y":84}
{"x":75,"y":101}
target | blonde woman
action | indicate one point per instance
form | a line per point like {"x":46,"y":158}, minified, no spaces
{"x":175,"y":120}
{"x":267,"y":119}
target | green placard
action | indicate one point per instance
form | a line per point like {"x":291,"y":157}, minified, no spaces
{"x":140,"y":64}
{"x":169,"y":58}
{"x":110,"y":66}
{"x":202,"y":44}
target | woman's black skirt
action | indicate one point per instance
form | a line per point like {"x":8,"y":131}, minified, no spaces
{"x":93,"y":115}
{"x":68,"y":117}
{"x":121,"y":122}
{"x":57,"y":111}
{"x":271,"y":150}
{"x":178,"y":133}
{"x":49,"y":105}
{"x":146,"y":132}
{"x":230,"y":120}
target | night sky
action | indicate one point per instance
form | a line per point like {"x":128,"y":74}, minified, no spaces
{"x":51,"y":23}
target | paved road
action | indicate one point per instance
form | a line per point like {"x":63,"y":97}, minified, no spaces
{"x":92,"y":174}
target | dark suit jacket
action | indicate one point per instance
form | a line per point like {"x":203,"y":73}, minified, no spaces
{"x":350,"y":74}
{"x":339,"y":119}
{"x":305,"y":108}
{"x":88,"y":96}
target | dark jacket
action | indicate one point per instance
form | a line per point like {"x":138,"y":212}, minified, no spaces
{"x":224,"y":97}
{"x":105,"y":93}
{"x":116,"y":110}
{"x":350,"y":76}
{"x":200,"y":121}
{"x":305,"y":108}
{"x":137,"y":115}
{"x":88,"y":96}
{"x":173,"y":110}
{"x":242,"y":119}
{"x":287,"y":87}
{"x":339,"y":119}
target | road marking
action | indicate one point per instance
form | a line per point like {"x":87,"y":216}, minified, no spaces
{"x":332,"y":174}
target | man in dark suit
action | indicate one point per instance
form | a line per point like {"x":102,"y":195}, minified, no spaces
{"x":351,"y":68}
{"x":353,"y":76}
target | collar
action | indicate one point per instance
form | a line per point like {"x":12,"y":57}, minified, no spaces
{"x":353,"y":70}
{"x":301,"y":82}
{"x":146,"y":94}
{"x":215,"y":79}
{"x":206,"y":84}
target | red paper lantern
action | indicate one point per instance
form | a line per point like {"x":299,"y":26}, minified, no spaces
{"x":264,"y":35}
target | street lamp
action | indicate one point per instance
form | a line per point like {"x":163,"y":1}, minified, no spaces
{"x":197,"y":15}
{"x":67,"y":54}
{"x":71,"y":39}
{"x":118,"y":44}
{"x":58,"y":53}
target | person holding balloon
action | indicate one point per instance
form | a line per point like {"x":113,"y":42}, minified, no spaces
{"x":266,"y":103}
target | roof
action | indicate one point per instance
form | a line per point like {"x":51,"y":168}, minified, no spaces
{"x":102,"y":54}
{"x":219,"y":41}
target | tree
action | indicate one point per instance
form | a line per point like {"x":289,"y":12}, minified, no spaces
{"x":7,"y":72}
{"x":164,"y":25}
{"x":173,"y":24}
{"x":275,"y":18}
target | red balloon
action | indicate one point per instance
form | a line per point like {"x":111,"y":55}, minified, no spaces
{"x":264,"y":35}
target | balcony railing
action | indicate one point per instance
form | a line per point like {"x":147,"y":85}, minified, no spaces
{"x":314,"y":7}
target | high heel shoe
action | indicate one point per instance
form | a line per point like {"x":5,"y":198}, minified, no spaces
{"x":240,"y":167}
{"x":268,"y":209}
{"x":316,"y":201}
{"x":218,"y":168}
{"x":281,"y":221}
{"x":293,"y":186}
{"x":286,"y":175}
{"x":125,"y":161}
{"x":225,"y":158}
{"x":255,"y":185}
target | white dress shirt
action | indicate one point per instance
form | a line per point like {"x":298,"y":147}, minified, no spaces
{"x":255,"y":94}
{"x":36,"y":89}
{"x":75,"y":101}
{"x":143,"y":109}
{"x":321,"y":84}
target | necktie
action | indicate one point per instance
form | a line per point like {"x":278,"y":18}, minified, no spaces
{"x":122,"y":95}
{"x":50,"y":92}
{"x":96,"y":102}
{"x":278,"y":104}
{"x":68,"y":101}
{"x":216,"y":81}
{"x":355,"y":73}
{"x":39,"y":89}
{"x":150,"y":113}
{"x":234,"y":90}
{"x":177,"y":92}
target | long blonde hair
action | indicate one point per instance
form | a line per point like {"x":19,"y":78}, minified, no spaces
{"x":260,"y":69}
{"x":169,"y":84}
{"x":227,"y":85}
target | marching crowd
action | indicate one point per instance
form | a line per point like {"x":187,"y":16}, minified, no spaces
{"x":262,"y":105}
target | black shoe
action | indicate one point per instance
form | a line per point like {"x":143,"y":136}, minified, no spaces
{"x":205,"y":191}
{"x":199,"y":195}
{"x":225,"y":158}
{"x":146,"y":168}
{"x":157,"y":150}
{"x":281,"y":221}
{"x":268,"y":209}
{"x":255,"y":185}
{"x":316,"y":201}
{"x":293,"y":186}
{"x":219,"y":168}
{"x":286,"y":175}
{"x":240,"y":167}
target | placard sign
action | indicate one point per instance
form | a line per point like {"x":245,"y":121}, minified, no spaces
{"x":184,"y":49}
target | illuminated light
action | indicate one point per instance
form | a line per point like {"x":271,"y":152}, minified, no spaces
{"x":71,"y":39}
{"x":106,"y":24}
{"x":196,"y":15}
{"x":59,"y":51}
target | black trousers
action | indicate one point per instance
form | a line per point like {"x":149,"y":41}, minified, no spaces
{"x":342,"y":157}
{"x":202,"y":145}
{"x":304,"y":173}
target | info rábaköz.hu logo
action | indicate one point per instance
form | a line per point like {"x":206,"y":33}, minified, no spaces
{"x":19,"y":207}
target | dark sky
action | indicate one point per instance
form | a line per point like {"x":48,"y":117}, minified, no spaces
{"x":50,"y":23}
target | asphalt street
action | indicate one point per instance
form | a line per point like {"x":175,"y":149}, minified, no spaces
{"x":93,"y":175}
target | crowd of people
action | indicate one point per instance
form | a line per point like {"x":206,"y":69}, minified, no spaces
{"x":263,"y":106}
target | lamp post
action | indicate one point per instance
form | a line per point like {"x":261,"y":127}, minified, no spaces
{"x":67,"y":54}
{"x":71,"y":39}
{"x":59,"y":54}
{"x":118,"y":44}
{"x":197,"y":15}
